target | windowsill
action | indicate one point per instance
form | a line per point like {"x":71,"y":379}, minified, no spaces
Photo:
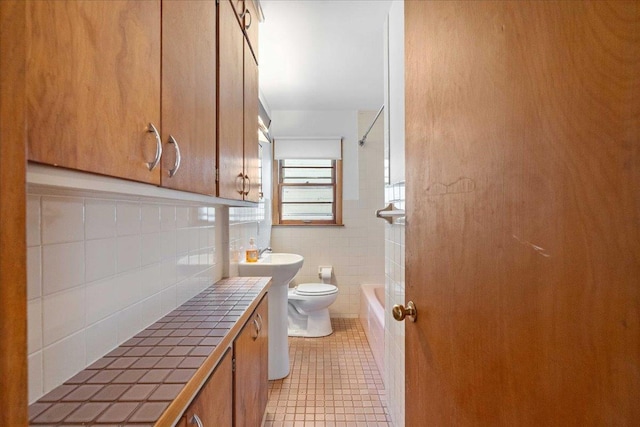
{"x":307,"y":225}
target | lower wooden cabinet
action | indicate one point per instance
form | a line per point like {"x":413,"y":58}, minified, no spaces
{"x":213,"y":407}
{"x":250,"y":350}
{"x":236,"y":392}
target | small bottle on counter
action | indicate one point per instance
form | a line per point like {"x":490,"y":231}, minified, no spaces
{"x":252,"y":251}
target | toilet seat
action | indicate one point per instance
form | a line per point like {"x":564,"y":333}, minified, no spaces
{"x":315,"y":289}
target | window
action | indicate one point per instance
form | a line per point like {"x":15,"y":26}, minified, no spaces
{"x":308,"y":188}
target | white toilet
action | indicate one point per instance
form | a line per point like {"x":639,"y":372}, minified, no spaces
{"x":308,"y":309}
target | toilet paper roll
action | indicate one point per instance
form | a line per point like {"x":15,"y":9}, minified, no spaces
{"x":325,"y":274}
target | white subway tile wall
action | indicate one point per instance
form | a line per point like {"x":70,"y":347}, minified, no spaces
{"x":244,"y":223}
{"x":395,"y":294}
{"x":101,"y":269}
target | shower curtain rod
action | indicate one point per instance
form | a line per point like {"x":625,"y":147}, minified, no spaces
{"x":364,"y":138}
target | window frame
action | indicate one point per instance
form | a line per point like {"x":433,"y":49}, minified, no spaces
{"x":278,"y":186}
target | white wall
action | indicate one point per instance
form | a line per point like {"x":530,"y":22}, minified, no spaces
{"x":356,"y":250}
{"x":394,"y":92}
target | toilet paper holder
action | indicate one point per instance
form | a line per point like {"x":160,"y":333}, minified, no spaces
{"x":322,"y":267}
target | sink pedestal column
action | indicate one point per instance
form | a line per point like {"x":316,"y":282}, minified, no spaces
{"x":282,"y":268}
{"x":278,"y":337}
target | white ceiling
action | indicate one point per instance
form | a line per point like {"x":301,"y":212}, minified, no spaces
{"x":322,"y":54}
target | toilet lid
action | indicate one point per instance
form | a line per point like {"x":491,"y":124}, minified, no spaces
{"x":315,"y":289}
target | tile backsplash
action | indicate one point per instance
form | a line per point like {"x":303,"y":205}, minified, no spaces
{"x":99,"y":269}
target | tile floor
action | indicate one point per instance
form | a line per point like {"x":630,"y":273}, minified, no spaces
{"x":334,"y":381}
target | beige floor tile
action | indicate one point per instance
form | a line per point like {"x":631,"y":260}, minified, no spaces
{"x":333,"y":381}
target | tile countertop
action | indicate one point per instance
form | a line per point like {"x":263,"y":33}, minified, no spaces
{"x":151,"y":378}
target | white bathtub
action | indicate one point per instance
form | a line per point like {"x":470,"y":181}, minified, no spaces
{"x":372,"y":319}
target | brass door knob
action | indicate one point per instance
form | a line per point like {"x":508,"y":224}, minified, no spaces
{"x":400,"y":311}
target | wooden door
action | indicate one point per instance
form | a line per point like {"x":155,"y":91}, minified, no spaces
{"x":251,"y":149}
{"x":251,"y":354}
{"x":189,"y":94}
{"x":523,"y":213}
{"x":93,"y":85}
{"x":214,"y":403}
{"x":230,"y":103}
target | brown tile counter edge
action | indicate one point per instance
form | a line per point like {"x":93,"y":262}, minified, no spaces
{"x":63,"y":412}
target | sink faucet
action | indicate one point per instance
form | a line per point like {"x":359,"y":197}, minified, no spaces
{"x":261,"y":251}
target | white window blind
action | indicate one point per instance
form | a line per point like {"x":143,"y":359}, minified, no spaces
{"x":308,"y":148}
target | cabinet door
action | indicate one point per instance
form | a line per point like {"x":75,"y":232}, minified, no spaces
{"x":93,"y":85}
{"x":214,"y":405}
{"x":238,"y":8}
{"x":230,"y":103}
{"x":189,"y":94}
{"x":251,"y":22}
{"x":251,"y":374}
{"x":251,"y":150}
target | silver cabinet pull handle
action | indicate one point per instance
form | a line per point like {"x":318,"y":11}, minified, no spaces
{"x":152,"y":129}
{"x":257,"y":329}
{"x":244,"y":15}
{"x":259,"y":317}
{"x":246,"y":193}
{"x":176,"y":165}
{"x":196,"y":420}
{"x":240,"y":188}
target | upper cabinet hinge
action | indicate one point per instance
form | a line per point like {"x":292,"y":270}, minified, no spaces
{"x":217,"y":175}
{"x":233,"y":364}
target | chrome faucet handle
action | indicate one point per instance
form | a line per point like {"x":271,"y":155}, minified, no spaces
{"x":267,"y":249}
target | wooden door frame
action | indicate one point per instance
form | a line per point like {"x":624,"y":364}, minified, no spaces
{"x":13,"y":281}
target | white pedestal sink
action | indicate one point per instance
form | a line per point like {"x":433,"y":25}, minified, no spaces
{"x":282,"y":268}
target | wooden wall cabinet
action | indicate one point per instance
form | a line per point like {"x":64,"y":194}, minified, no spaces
{"x":251,"y":147}
{"x":250,"y":352}
{"x":238,"y":8}
{"x":189,"y":95}
{"x":250,"y":22}
{"x":248,"y":18}
{"x":94,"y":87}
{"x":237,"y":109}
